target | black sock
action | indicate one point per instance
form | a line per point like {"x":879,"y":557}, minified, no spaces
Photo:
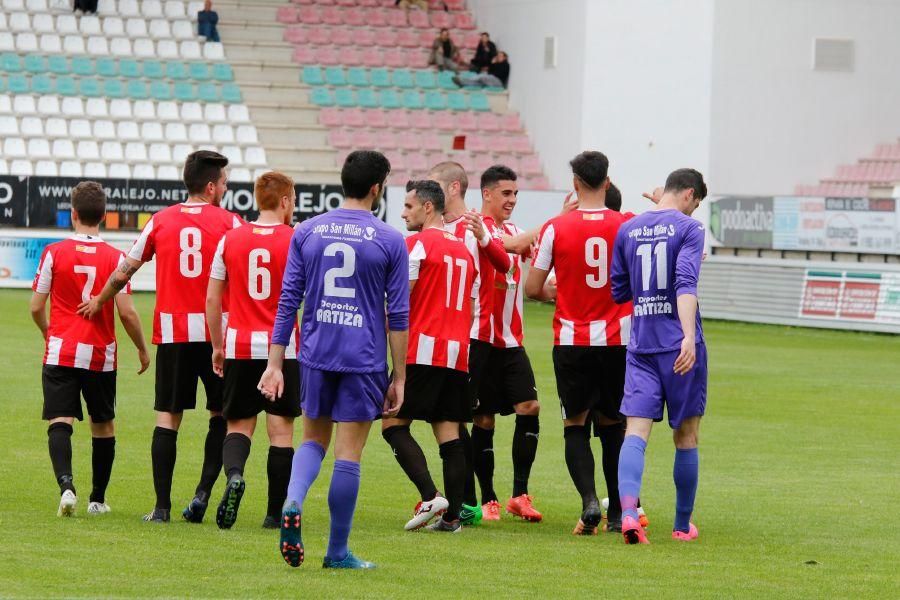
{"x":483,"y":461}
{"x":611,"y":438}
{"x":580,"y":461}
{"x":469,"y":496}
{"x":411,"y":458}
{"x":102,"y":456}
{"x":163,"y":451}
{"x":212,"y":456}
{"x":59,"y":441}
{"x":524,"y":449}
{"x":235,"y":452}
{"x":453,"y":455}
{"x":278,"y":468}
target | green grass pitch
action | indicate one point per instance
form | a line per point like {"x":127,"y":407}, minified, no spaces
{"x":799,"y":488}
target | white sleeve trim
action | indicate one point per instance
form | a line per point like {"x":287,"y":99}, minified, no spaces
{"x":218,"y":270}
{"x":137,"y":251}
{"x":45,"y":275}
{"x":544,"y":259}
{"x":235,"y":222}
{"x":416,"y":256}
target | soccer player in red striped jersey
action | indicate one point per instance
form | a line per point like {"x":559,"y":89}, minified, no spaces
{"x":80,"y":355}
{"x":590,"y":333}
{"x":251,"y":260}
{"x":183,"y":238}
{"x":442,"y":279}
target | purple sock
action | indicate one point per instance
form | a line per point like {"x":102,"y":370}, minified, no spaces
{"x":685,"y":473}
{"x":631,"y":470}
{"x":304,"y":470}
{"x":342,"y":503}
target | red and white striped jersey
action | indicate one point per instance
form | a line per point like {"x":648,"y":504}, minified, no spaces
{"x":252,"y":259}
{"x":72,"y":271}
{"x":440,"y":305}
{"x":491,"y":257}
{"x":508,"y":298}
{"x":578,"y":245}
{"x":183,"y":238}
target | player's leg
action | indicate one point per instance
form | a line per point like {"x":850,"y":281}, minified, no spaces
{"x":99,"y":390}
{"x":350,"y":439}
{"x":412,"y":460}
{"x":62,"y":405}
{"x":520,"y":390}
{"x":280,"y":416}
{"x":609,"y":426}
{"x":235,"y":452}
{"x":453,"y":457}
{"x":483,"y":458}
{"x":479,"y":353}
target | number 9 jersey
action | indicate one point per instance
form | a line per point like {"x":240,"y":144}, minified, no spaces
{"x":183,"y":238}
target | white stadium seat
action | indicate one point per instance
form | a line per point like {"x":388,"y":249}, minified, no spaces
{"x":238,"y":113}
{"x":51,"y":43}
{"x":57,"y":128}
{"x":136,"y":28}
{"x":32,"y":127}
{"x":110,"y":151}
{"x":46,"y":168}
{"x":7,"y":41}
{"x":63,"y":149}
{"x":104,"y":130}
{"x":213,"y":51}
{"x":14,"y":5}
{"x":192,"y":112}
{"x":4,"y":168}
{"x":70,"y":169}
{"x":96,"y":107}
{"x":36,"y":5}
{"x":80,"y":129}
{"x":255,"y":157}
{"x":144,"y":48}
{"x":3,"y":24}
{"x":9,"y":126}
{"x":88,"y":150}
{"x":168,"y":173}
{"x":39,"y":148}
{"x":233,"y":153}
{"x":66,"y":24}
{"x":113,"y":27}
{"x":176,"y":132}
{"x":129,"y":8}
{"x":5,"y":105}
{"x":144,"y":110}
{"x":143,"y":172}
{"x":26,"y":42}
{"x":95,"y":169}
{"x":180,"y":152}
{"x":89,"y":25}
{"x":24,"y":105}
{"x":121,"y":46}
{"x":152,"y":8}
{"x":106,"y":7}
{"x":48,"y":105}
{"x":193,"y":8}
{"x":120,"y":108}
{"x":174,"y":9}
{"x":246,"y":135}
{"x":159,"y":29}
{"x":22,"y":168}
{"x":128,"y":130}
{"x":152,"y":132}
{"x":215,"y":113}
{"x":183,"y":30}
{"x":199,"y":133}
{"x":14,"y":147}
{"x":223,"y":134}
{"x":119,"y":171}
{"x":240,"y":174}
{"x":160,"y":153}
{"x":167,"y":49}
{"x":72,"y":107}
{"x":167,"y":111}
{"x":43,"y":23}
{"x":19,"y":22}
{"x":73,"y":44}
{"x":190,"y":50}
{"x":259,"y":172}
{"x":135,"y":152}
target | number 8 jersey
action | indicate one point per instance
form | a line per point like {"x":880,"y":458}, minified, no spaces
{"x":183,"y":238}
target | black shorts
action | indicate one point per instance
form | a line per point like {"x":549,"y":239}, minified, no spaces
{"x":479,"y":355}
{"x":241,"y":398}
{"x":178,"y":367}
{"x":64,"y":387}
{"x":590,"y":378}
{"x":508,"y":380}
{"x":435,"y":394}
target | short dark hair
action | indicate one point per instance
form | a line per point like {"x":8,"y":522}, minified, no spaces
{"x":613,"y":198}
{"x":362,"y":169}
{"x":443,"y":29}
{"x":591,"y":167}
{"x":428,"y":191}
{"x":448,"y":171}
{"x":89,"y":202}
{"x":202,"y":167}
{"x":495,"y":174}
{"x":485,"y":33}
{"x":686,"y":179}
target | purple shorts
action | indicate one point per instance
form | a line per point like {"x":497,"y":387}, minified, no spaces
{"x":345,"y":397}
{"x":651,"y":384}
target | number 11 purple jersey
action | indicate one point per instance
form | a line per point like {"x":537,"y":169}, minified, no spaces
{"x":656,"y":259}
{"x":343,"y":266}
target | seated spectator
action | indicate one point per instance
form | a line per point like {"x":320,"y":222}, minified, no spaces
{"x":207,"y":19}
{"x":444,"y":53}
{"x":496,"y":76}
{"x":89,"y":7}
{"x":484,"y":54}
{"x":407,"y":4}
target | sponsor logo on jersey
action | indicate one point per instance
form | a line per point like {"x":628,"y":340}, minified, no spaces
{"x":263,"y":231}
{"x":86,"y":249}
{"x":192,"y":210}
{"x":592,"y":216}
{"x":370,"y":233}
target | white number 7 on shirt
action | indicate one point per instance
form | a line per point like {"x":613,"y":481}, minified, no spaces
{"x":91,"y":273}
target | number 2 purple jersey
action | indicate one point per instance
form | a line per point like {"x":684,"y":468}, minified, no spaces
{"x":657,"y":258}
{"x":343,"y":266}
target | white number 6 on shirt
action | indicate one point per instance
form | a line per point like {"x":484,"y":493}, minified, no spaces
{"x":259,"y":280}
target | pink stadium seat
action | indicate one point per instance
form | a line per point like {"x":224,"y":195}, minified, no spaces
{"x":465,"y":121}
{"x":353,"y":117}
{"x":364,"y":36}
{"x":443,"y":120}
{"x":376,"y":17}
{"x":351,"y":56}
{"x":441,"y":20}
{"x":304,"y":1}
{"x":456,"y":4}
{"x":407,"y":39}
{"x":304,"y":55}
{"x":409,"y":140}
{"x":540,"y":183}
{"x":395,"y":58}
{"x":386,"y":140}
{"x":466,"y":161}
{"x":295,"y":34}
{"x":431,"y":141}
{"x":420,"y":119}
{"x":530,"y":165}
{"x":416,"y":59}
{"x":426,"y":37}
{"x":320,"y":36}
{"x":398,"y":164}
{"x":310,"y":15}
{"x":355,"y":17}
{"x":343,"y":36}
{"x":386,"y":38}
{"x":469,"y":39}
{"x":363,"y":139}
{"x":387,"y":3}
{"x":331,"y":15}
{"x":327,"y":55}
{"x":477,"y":143}
{"x":501,"y":143}
{"x":488,"y":122}
{"x":396,"y":18}
{"x":510,"y":122}
{"x":465,"y":21}
{"x":324,"y":2}
{"x":418,"y":19}
{"x":372,"y":57}
{"x":287,"y":14}
{"x":367,"y":2}
{"x":331,"y":117}
{"x":483,"y":162}
{"x":398,"y":119}
{"x":399,"y":177}
{"x":375,"y":118}
{"x":521,"y":144}
{"x":417,"y":163}
{"x":346,"y":2}
{"x":340,"y":138}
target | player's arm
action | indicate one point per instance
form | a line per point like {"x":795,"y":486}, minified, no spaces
{"x":493,"y":249}
{"x":687,"y":272}
{"x":131,"y":321}
{"x":43,"y":279}
{"x":38,"y":306}
{"x":115,"y":284}
{"x":619,"y":278}
{"x":535,"y":284}
{"x":520,"y":243}
{"x":398,"y":325}
{"x":214,"y":292}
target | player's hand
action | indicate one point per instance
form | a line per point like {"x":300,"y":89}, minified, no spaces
{"x":271,"y":384}
{"x":569,"y":204}
{"x":550,"y":289}
{"x":90,"y":308}
{"x":218,"y":362}
{"x":655,"y":196}
{"x":144,"y":359}
{"x":394,"y":398}
{"x":475,"y":224}
{"x":687,"y":357}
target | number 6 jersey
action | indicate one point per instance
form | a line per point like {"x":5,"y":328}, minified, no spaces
{"x":183,"y":238}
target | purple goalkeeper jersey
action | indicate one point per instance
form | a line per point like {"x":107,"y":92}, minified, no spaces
{"x":344,"y":266}
{"x":656,"y":259}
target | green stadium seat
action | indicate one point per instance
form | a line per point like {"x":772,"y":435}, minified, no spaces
{"x":137,"y":90}
{"x":113,"y":88}
{"x":380,"y":77}
{"x":199,"y":71}
{"x":2,"y":83}
{"x":368,"y":98}
{"x":435,"y":100}
{"x":11,"y":63}
{"x":335,"y":76}
{"x":185,"y":92}
{"x":425,"y":79}
{"x":402,"y":78}
{"x":65,"y":86}
{"x":87,"y":87}
{"x":18,"y":84}
{"x":445,"y":81}
{"x":231,"y":94}
{"x":457,"y":101}
{"x":312,"y":75}
{"x":176,"y":70}
{"x":222,"y":72}
{"x":161,"y":90}
{"x":321,"y":96}
{"x":494,"y":90}
{"x":107,"y":67}
{"x":208,"y":92}
{"x":153,"y":69}
{"x":35,"y":63}
{"x":390,"y":99}
{"x":412,"y":100}
{"x":41,"y":84}
{"x":344,"y":97}
{"x":357,"y":76}
{"x":479,"y":101}
{"x":129,"y":68}
{"x":60,"y":65}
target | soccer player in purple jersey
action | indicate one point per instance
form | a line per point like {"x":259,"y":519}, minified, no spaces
{"x":656,"y":263}
{"x":343,"y":267}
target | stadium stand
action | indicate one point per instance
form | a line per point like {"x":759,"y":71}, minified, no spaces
{"x":872,"y":176}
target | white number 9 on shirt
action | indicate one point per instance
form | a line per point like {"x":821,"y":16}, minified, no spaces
{"x":190,"y":261}
{"x":596,"y":255}
{"x":259,"y":279}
